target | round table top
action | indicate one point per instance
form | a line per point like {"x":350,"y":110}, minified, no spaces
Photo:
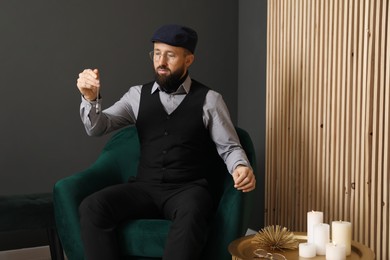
{"x":242,"y":249}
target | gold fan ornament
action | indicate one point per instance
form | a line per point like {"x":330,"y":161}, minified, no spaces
{"x":275,"y":237}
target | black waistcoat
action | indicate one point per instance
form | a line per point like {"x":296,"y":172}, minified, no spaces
{"x":175,"y":148}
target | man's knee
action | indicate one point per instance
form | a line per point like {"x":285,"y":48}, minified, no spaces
{"x":93,"y":208}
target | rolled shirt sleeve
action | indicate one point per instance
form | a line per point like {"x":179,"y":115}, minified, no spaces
{"x":119,"y":115}
{"x":223,"y":132}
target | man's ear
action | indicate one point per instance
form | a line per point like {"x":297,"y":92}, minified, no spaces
{"x":189,"y":60}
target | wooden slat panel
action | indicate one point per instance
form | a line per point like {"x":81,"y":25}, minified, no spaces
{"x":386,"y":149}
{"x":328,"y":115}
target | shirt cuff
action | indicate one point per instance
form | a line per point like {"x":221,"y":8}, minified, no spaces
{"x":91,"y":104}
{"x":238,"y":163}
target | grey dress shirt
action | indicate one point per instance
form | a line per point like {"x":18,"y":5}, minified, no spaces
{"x":125,"y":111}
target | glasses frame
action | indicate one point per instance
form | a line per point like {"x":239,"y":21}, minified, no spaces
{"x":169,"y":56}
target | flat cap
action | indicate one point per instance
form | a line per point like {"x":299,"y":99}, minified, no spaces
{"x":176,"y":35}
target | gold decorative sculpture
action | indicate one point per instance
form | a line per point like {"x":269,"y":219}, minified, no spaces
{"x":275,"y":237}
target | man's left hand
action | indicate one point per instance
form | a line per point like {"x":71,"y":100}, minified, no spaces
{"x":244,"y":179}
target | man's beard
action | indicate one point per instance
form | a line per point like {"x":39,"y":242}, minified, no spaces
{"x":170,"y":83}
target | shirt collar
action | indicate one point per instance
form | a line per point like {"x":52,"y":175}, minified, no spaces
{"x":183,"y":88}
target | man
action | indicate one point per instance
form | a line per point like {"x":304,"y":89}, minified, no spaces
{"x":180,"y":122}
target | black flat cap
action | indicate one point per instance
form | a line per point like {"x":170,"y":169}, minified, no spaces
{"x":176,"y":35}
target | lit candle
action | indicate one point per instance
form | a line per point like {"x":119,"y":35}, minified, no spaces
{"x":335,"y":252}
{"x":313,"y":218}
{"x":342,"y":234}
{"x":321,"y":237}
{"x":307,"y":250}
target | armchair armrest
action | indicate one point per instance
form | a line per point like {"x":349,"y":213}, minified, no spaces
{"x":70,"y":191}
{"x":118,"y":161}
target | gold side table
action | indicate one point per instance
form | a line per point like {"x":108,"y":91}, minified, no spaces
{"x":242,"y":249}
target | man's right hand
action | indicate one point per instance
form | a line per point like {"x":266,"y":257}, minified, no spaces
{"x":88,"y":84}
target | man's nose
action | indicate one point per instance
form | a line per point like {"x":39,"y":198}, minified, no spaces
{"x":163,"y":60}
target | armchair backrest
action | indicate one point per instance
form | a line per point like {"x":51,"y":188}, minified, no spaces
{"x":125,"y":148}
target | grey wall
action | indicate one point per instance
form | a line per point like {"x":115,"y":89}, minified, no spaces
{"x":44,"y":44}
{"x":252,"y":53}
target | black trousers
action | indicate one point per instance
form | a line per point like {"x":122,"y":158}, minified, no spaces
{"x":189,"y":206}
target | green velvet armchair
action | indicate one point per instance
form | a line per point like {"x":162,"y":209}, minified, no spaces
{"x":145,"y":239}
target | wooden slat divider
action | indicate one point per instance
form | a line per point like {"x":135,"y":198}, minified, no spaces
{"x":386,"y":154}
{"x":328,"y":115}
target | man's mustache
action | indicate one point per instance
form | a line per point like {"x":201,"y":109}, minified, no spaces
{"x":163,"y":67}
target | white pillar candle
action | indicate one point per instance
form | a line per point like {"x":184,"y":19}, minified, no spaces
{"x":335,"y":252}
{"x":321,"y":237}
{"x":307,"y":250}
{"x":342,"y":234}
{"x":313,"y":218}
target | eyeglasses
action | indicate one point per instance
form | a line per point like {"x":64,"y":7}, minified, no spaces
{"x":261,"y":253}
{"x":156,"y":56}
